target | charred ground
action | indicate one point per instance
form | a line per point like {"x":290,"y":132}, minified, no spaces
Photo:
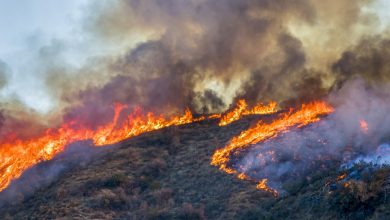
{"x":166,"y":174}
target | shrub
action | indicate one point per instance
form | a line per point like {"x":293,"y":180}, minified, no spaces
{"x":115,"y":181}
{"x":188,"y":212}
{"x":162,"y":195}
{"x":110,"y":199}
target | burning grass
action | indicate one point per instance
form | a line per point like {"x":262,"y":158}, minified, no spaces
{"x":308,"y":114}
{"x":242,"y":109}
{"x":165,"y":175}
{"x":18,"y":155}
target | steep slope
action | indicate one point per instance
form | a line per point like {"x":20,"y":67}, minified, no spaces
{"x":166,"y":174}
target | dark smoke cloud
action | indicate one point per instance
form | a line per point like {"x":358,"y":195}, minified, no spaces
{"x":198,"y":41}
{"x":190,"y":43}
{"x":210,"y":102}
{"x":183,"y":49}
{"x":369,"y":60}
{"x":206,"y":54}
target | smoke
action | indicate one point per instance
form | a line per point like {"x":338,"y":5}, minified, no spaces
{"x":368,"y":60}
{"x":167,"y":55}
{"x":338,"y":138}
{"x":230,"y":49}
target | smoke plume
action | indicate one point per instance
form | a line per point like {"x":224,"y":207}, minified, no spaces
{"x":206,"y":54}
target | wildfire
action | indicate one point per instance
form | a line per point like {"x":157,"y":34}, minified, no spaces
{"x":262,"y":185}
{"x":19,"y":155}
{"x":308,"y":113}
{"x":364,"y":126}
{"x":242,"y":109}
{"x":341,"y":177}
{"x":214,"y":116}
{"x":346,"y":184}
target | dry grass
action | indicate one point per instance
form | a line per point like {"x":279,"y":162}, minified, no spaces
{"x":166,"y":175}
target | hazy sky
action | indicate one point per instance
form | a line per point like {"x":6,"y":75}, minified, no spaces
{"x":20,"y":19}
{"x":27,"y":25}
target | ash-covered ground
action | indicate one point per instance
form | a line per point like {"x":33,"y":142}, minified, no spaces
{"x":167,"y":174}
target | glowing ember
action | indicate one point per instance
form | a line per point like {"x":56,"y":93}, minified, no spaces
{"x":346,"y":184}
{"x":19,"y":155}
{"x":242,"y":109}
{"x":341,"y":177}
{"x":364,"y":126}
{"x":309,"y":113}
{"x":214,"y":116}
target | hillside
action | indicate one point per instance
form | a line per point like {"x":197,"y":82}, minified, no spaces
{"x":167,"y":174}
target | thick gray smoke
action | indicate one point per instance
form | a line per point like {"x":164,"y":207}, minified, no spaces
{"x":205,"y":54}
{"x":369,"y":59}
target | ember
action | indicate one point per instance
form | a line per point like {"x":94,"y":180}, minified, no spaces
{"x":364,"y":126}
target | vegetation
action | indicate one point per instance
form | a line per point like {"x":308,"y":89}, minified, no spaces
{"x":166,"y":175}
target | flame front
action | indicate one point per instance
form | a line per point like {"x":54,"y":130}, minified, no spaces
{"x":308,"y":113}
{"x":19,"y":155}
{"x":242,"y":109}
{"x":262,"y":185}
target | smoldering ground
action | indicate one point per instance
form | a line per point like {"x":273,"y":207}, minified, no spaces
{"x":337,"y":139}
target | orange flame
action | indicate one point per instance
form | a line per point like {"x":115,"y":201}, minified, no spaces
{"x":346,"y":184}
{"x":309,"y":113}
{"x":242,"y":109}
{"x":19,"y":155}
{"x":364,"y":126}
{"x":214,"y":116}
{"x":341,"y":177}
{"x":262,"y":185}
